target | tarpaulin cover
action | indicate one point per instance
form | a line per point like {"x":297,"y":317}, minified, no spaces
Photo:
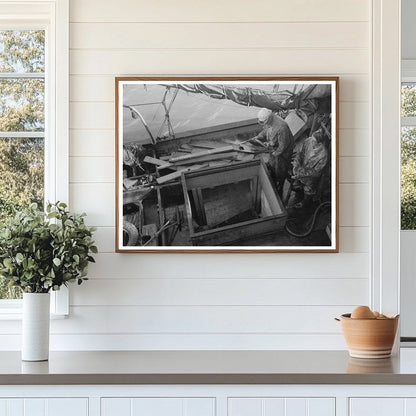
{"x":280,"y":100}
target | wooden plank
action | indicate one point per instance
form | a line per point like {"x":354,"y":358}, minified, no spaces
{"x":116,"y":406}
{"x":39,"y":12}
{"x":199,"y":206}
{"x":200,"y":200}
{"x":210,"y":158}
{"x":192,"y":156}
{"x":178,"y":153}
{"x":354,"y":142}
{"x":256,"y":193}
{"x":159,"y":406}
{"x":91,"y":198}
{"x":154,"y":161}
{"x":167,"y":166}
{"x":175,"y":341}
{"x":270,"y":192}
{"x":233,"y":11}
{"x":266,"y":210}
{"x":63,"y":406}
{"x":410,"y":403}
{"x":222,"y":176}
{"x":354,"y":240}
{"x":321,"y":406}
{"x":93,"y":143}
{"x":236,"y":36}
{"x":179,"y":320}
{"x":298,"y":406}
{"x":161,"y":212}
{"x":177,"y":174}
{"x":354,"y":200}
{"x":219,"y":163}
{"x":293,"y":61}
{"x":354,"y":169}
{"x":354,"y":115}
{"x":377,"y":406}
{"x":104,"y":117}
{"x":247,"y":406}
{"x":91,"y":169}
{"x":204,"y":146}
{"x":35,"y":407}
{"x":186,"y":147}
{"x":188,"y":207}
{"x":207,"y":158}
{"x":199,"y":341}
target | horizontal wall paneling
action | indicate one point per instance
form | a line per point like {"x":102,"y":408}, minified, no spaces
{"x":267,"y":265}
{"x":220,"y":35}
{"x":282,"y":61}
{"x":218,"y":11}
{"x":163,"y":291}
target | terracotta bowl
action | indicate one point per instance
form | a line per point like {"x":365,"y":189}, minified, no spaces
{"x":369,"y":338}
{"x":369,"y":366}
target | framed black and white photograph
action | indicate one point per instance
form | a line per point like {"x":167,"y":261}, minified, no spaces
{"x":227,"y":164}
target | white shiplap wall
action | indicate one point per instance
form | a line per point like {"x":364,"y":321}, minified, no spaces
{"x":181,"y":301}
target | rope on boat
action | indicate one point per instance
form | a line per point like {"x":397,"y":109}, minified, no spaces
{"x":310,"y":229}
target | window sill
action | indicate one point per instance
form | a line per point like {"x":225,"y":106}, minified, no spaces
{"x":13,"y":315}
{"x":11,"y":309}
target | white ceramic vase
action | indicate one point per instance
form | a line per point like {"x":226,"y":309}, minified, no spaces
{"x":35,"y":326}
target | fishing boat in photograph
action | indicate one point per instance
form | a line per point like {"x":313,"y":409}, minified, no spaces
{"x":208,"y":186}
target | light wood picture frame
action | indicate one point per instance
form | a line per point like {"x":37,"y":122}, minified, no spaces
{"x":226,"y":164}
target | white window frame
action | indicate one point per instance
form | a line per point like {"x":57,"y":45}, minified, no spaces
{"x":408,"y":75}
{"x":407,"y":236}
{"x":53,"y":17}
{"x":385,"y":96}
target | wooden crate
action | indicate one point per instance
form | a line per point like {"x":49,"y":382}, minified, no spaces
{"x":238,"y":190}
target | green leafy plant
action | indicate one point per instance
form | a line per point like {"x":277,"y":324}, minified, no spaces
{"x":43,"y":251}
{"x":408,"y":179}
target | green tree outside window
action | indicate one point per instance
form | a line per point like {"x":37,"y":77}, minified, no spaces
{"x":22,"y":57}
{"x":408,"y":159}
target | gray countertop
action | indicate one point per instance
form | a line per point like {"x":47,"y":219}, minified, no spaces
{"x":207,"y":367}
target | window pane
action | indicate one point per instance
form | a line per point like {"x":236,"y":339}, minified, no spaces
{"x":22,"y":105}
{"x":408,"y":99}
{"x":21,"y":173}
{"x":22,"y":51}
{"x":408,"y":178}
{"x":7,"y":292}
{"x":21,"y":182}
